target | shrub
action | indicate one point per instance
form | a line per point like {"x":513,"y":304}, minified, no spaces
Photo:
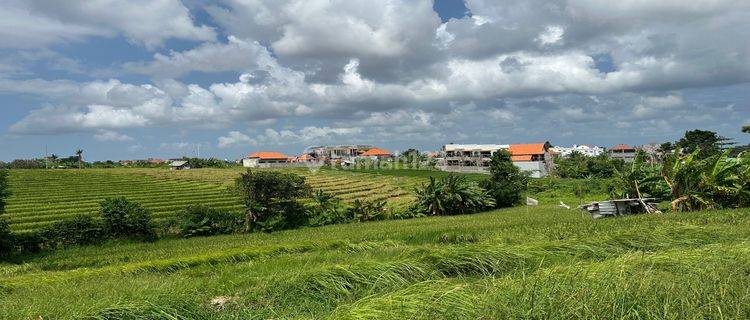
{"x":327,"y":209}
{"x":270,"y":199}
{"x":452,"y":195}
{"x":367,"y":210}
{"x":79,"y":230}
{"x":124,"y":218}
{"x":6,"y":238}
{"x":200,"y":220}
{"x":507,"y":183}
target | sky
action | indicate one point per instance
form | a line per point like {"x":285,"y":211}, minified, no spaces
{"x":168,"y":78}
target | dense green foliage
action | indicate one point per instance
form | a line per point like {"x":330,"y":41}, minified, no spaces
{"x":23,"y":164}
{"x":79,"y":230}
{"x":640,"y":179}
{"x":706,"y":143}
{"x":6,"y":239}
{"x":691,"y":182}
{"x":452,"y":195}
{"x":270,"y":199}
{"x":198,"y":163}
{"x":518,"y":263}
{"x":714,"y":182}
{"x":126,"y":219}
{"x":578,"y":166}
{"x":507,"y":183}
{"x":368,"y":210}
{"x":201,"y":220}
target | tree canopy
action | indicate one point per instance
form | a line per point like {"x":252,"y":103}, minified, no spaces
{"x":708,"y":142}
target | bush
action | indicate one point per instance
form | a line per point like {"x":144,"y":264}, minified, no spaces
{"x":579,"y":166}
{"x":327,"y":209}
{"x":6,"y":238}
{"x":281,"y":216}
{"x":270,"y":199}
{"x":79,"y":230}
{"x":452,"y":195}
{"x":124,"y":218}
{"x":507,"y":183}
{"x":367,"y":210}
{"x":200,"y":220}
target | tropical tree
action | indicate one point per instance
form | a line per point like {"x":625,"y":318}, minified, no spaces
{"x":326,"y":209}
{"x":708,"y":142}
{"x":507,"y":183}
{"x":452,"y":195}
{"x":54,"y":157}
{"x":270,"y":199}
{"x":79,"y":155}
{"x":639,"y":179}
{"x":714,"y":182}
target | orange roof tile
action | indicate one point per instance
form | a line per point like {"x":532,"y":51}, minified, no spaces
{"x":622,"y":147}
{"x":527,"y":149}
{"x":376,"y":152}
{"x":267,"y":155}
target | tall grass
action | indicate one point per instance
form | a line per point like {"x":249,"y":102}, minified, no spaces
{"x":540,"y":262}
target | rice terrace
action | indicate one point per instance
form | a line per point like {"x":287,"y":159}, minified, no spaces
{"x":374,"y":159}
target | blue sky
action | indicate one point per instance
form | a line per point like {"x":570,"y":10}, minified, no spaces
{"x":167,"y":78}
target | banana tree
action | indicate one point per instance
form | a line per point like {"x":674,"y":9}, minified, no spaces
{"x":714,"y":182}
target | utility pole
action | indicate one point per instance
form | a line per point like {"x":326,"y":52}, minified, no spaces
{"x":46,"y":166}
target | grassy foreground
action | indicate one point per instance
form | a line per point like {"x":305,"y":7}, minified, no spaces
{"x":540,"y":262}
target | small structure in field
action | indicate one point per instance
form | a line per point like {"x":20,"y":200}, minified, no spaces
{"x":179,"y":165}
{"x":620,"y":207}
{"x":265,"y":159}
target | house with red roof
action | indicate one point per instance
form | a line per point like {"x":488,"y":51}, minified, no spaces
{"x":264,"y":159}
{"x":534,"y":158}
{"x":624,"y":152}
{"x":377,"y":153}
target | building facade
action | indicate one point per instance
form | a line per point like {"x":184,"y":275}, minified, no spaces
{"x":623,"y":152}
{"x":534,"y":158}
{"x":264,"y":159}
{"x":586,"y":150}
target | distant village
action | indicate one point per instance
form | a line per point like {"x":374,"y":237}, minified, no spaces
{"x":535,"y":158}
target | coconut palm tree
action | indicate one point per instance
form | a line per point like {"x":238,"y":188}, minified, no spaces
{"x":79,"y":154}
{"x":54,"y":157}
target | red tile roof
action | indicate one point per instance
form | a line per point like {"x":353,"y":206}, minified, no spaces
{"x":622,"y":147}
{"x":376,"y":152}
{"x":268,"y":155}
{"x":526,"y":149}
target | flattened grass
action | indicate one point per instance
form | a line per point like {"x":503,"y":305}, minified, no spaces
{"x":541,"y":262}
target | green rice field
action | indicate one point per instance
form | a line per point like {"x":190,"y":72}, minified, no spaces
{"x":41,"y":197}
{"x":521,"y":263}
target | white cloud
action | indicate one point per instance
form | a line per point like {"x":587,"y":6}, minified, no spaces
{"x":34,"y":23}
{"x":106,"y":135}
{"x":235,"y":138}
{"x":551,"y":35}
{"x":235,"y":55}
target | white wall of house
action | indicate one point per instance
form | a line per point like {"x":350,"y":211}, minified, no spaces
{"x":250,"y":163}
{"x":536,"y":169}
{"x":591,"y":151}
